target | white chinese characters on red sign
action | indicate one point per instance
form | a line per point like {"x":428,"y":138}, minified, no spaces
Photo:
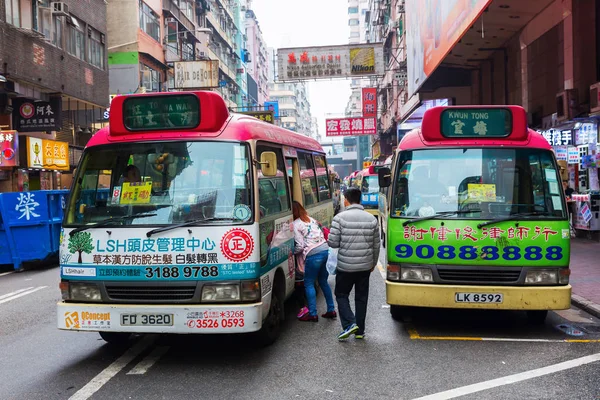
{"x":350,"y":126}
{"x":237,"y":245}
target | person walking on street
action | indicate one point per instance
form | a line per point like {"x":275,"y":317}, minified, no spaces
{"x":355,"y":233}
{"x":312,"y":249}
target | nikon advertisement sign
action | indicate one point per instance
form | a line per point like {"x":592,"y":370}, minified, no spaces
{"x":346,"y":61}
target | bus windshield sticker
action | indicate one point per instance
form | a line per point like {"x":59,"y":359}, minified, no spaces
{"x":242,"y":212}
{"x":550,"y":174}
{"x":136,"y":192}
{"x":553,"y":187}
{"x":482,"y":192}
{"x":556,"y":203}
{"x":491,"y":122}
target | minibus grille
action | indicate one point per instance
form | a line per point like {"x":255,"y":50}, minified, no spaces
{"x":151,"y":293}
{"x":487,"y":275}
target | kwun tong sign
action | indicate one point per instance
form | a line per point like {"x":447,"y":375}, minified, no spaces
{"x":326,"y":62}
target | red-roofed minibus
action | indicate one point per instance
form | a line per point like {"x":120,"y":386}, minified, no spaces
{"x":368,"y":182}
{"x":196,"y":234}
{"x":476,"y":215}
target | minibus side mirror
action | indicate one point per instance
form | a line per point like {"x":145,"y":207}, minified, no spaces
{"x":268,"y":163}
{"x":385,"y":177}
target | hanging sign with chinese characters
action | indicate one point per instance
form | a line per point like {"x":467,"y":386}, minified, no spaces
{"x":350,"y":126}
{"x":37,"y":116}
{"x":9,"y":146}
{"x":266,"y":116}
{"x":330,"y":61}
{"x":496,"y":122}
{"x":558,"y":138}
{"x":369,"y":102}
{"x":47,"y":154}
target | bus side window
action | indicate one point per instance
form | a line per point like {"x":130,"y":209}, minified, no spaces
{"x":309,"y":183}
{"x":273,"y":192}
{"x":322,"y":178}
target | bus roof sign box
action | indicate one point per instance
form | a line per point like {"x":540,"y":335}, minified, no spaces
{"x":500,"y":123}
{"x":158,"y":113}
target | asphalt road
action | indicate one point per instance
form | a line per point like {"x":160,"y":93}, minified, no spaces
{"x":434,"y":353}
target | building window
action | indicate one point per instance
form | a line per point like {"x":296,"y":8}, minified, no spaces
{"x":13,"y":12}
{"x":149,"y":21}
{"x":149,"y":78}
{"x":75,"y":39}
{"x":44,"y":21}
{"x":172,"y":41}
{"x":352,"y":10}
{"x":353,"y":22}
{"x":96,"y":56}
{"x":57,"y":35}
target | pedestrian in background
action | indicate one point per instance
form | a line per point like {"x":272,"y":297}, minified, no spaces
{"x":312,"y":250}
{"x":355,"y":233}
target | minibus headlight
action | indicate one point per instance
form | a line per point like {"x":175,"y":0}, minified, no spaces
{"x":416,"y":274}
{"x":250,"y":290}
{"x":84,"y":292}
{"x":212,"y":293}
{"x":541,"y":277}
{"x":393,"y":272}
{"x":563,"y":276}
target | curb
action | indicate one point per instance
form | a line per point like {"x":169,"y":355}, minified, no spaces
{"x":586,"y":305}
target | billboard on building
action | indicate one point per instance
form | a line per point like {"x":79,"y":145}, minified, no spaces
{"x":273,"y":106}
{"x":350,"y":126}
{"x":432,"y":29}
{"x":351,"y":60}
{"x":47,"y":154}
{"x":266,"y":116}
{"x":196,"y":74}
{"x":369,"y":102}
{"x":37,"y":116}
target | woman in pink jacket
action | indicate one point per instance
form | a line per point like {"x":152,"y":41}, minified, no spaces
{"x":311,"y":252}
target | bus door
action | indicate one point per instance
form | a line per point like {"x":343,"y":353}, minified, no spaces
{"x":275,"y":210}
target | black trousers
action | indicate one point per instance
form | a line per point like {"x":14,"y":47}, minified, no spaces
{"x":344,"y":282}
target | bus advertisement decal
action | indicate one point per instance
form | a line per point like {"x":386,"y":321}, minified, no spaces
{"x":534,"y":243}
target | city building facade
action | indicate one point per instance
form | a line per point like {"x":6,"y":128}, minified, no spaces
{"x":53,"y":88}
{"x":257,"y":62}
{"x":294,"y":107}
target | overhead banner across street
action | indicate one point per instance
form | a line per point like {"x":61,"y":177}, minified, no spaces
{"x":301,"y":63}
{"x":350,"y":126}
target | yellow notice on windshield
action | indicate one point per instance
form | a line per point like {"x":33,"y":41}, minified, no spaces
{"x":482,"y":192}
{"x":136,"y":192}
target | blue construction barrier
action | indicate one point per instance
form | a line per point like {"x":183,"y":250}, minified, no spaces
{"x":30,"y":225}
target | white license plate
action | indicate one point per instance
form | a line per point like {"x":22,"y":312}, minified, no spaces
{"x":146,"y":319}
{"x":496,"y":298}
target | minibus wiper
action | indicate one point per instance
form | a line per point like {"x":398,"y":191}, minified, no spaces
{"x":511,"y":217}
{"x":110,"y":221}
{"x":187,"y":223}
{"x":439,"y":214}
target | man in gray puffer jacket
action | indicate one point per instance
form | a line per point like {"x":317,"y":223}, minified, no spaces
{"x":355,"y":233}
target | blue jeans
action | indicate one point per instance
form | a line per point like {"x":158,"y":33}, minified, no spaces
{"x":314,"y":269}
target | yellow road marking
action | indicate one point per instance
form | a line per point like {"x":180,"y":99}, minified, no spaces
{"x":414,"y":335}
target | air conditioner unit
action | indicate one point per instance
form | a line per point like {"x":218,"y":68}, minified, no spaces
{"x":182,"y":35}
{"x":243,"y":8}
{"x":566,"y":104}
{"x":170,"y":20}
{"x":202,"y":54}
{"x":60,"y":8}
{"x":595,"y":97}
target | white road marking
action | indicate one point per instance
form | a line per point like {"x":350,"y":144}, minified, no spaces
{"x":144,"y":365}
{"x":15,"y":292}
{"x":113,"y":369}
{"x":7,"y":273}
{"x":507,"y":380}
{"x":21,"y":293}
{"x":381,"y":270}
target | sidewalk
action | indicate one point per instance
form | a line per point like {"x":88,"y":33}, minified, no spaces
{"x":585,"y":274}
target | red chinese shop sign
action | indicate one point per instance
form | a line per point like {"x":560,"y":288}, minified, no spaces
{"x":350,"y":126}
{"x":9,"y":149}
{"x":369,"y":102}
